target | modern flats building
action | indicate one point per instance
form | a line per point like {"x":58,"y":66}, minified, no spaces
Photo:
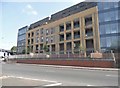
{"x":82,"y":26}
{"x":109,"y":24}
{"x":21,"y":40}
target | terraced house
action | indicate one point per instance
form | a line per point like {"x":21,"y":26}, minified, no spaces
{"x":89,"y":26}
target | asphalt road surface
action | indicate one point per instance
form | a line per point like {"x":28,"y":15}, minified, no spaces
{"x":61,"y":76}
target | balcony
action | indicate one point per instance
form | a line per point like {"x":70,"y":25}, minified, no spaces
{"x":69,"y":46}
{"x":68,"y":26}
{"x":88,"y":21}
{"x":53,"y":48}
{"x":76,"y":24}
{"x":76,"y":34}
{"x":89,"y":44}
{"x":61,"y":37}
{"x":61,"y":46}
{"x":89,"y":32}
{"x":68,"y":36}
{"x":61,"y":28}
{"x":32,"y":41}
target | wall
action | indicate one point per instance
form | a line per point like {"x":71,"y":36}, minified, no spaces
{"x":82,"y":63}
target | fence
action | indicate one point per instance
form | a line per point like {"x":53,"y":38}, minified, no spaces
{"x":62,"y":55}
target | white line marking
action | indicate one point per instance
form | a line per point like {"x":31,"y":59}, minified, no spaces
{"x":55,"y":84}
{"x":111,"y":75}
{"x":31,"y":79}
{"x":3,"y":77}
{"x":90,"y":85}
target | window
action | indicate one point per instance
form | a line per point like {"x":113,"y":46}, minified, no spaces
{"x":89,"y":32}
{"x":61,"y":37}
{"x":52,"y":30}
{"x":108,"y":29}
{"x":61,"y":28}
{"x":51,"y":39}
{"x":41,"y":46}
{"x":53,"y":47}
{"x":37,"y":32}
{"x":88,"y":20}
{"x":101,"y":17}
{"x":46,"y":39}
{"x":37,"y":48}
{"x":46,"y":31}
{"x":68,"y":25}
{"x":102,"y":29}
{"x":32,"y":41}
{"x":69,"y":45}
{"x":114,"y":28}
{"x":108,"y":41}
{"x":76,"y":23}
{"x":61,"y":46}
{"x":89,"y":43}
{"x":41,"y":30}
{"x":76,"y":45}
{"x":68,"y":36}
{"x":115,"y":4}
{"x":41,"y":38}
{"x":32,"y":34}
{"x":37,"y":39}
{"x":103,"y":42}
{"x":76,"y":34}
{"x":28,"y":35}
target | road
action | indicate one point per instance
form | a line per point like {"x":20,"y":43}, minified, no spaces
{"x":63,"y":76}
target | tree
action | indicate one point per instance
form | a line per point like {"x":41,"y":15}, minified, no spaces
{"x":23,"y":51}
{"x":14,"y":49}
{"x":46,"y":48}
{"x":28,"y":50}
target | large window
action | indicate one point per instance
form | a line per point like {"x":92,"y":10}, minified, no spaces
{"x":22,"y":31}
{"x":102,"y":29}
{"x":103,"y":42}
{"x":21,"y":37}
{"x":108,"y":41}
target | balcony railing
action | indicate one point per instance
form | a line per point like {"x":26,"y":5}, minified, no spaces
{"x":68,"y":38}
{"x":89,"y":34}
{"x":76,"y":36}
{"x":61,"y":39}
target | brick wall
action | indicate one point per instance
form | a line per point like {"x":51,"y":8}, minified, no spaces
{"x":84,"y":63}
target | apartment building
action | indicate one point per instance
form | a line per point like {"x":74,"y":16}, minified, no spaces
{"x":71,"y":29}
{"x":21,"y":40}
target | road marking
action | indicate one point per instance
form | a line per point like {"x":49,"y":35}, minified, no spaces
{"x":55,"y":84}
{"x":112,"y":75}
{"x":3,"y":77}
{"x":90,"y":85}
